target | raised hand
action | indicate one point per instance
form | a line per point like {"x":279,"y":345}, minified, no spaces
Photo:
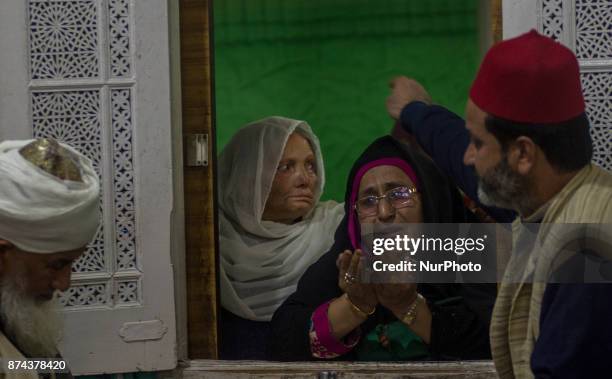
{"x":362,"y":295}
{"x":404,"y":90}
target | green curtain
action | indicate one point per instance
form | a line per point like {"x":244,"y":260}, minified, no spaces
{"x":329,"y":62}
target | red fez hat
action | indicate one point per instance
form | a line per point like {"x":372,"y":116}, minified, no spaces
{"x":531,"y":79}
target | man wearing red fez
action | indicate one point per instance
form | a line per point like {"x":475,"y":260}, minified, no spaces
{"x":525,"y":150}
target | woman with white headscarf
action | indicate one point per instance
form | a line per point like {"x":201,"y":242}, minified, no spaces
{"x":272,"y":226}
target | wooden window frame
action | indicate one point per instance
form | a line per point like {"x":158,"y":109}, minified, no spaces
{"x":201,"y":240}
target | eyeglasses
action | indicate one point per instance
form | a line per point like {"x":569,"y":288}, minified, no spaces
{"x":399,"y":197}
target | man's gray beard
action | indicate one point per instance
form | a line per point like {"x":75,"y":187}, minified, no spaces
{"x":34,"y":327}
{"x":503,"y":188}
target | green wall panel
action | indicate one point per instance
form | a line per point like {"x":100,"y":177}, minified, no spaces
{"x":329,"y":62}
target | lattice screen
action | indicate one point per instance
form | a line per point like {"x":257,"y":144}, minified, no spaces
{"x":586,"y":27}
{"x":81,"y":92}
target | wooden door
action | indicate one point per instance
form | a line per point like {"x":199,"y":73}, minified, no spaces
{"x":200,"y":198}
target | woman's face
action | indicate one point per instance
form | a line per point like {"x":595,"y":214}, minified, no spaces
{"x":293,"y":189}
{"x":392,"y":181}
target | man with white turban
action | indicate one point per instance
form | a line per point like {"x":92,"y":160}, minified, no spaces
{"x":49,"y":196}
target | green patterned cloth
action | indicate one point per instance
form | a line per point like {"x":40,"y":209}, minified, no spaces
{"x":391,"y":342}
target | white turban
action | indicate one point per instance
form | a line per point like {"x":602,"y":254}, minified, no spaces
{"x":40,"y":212}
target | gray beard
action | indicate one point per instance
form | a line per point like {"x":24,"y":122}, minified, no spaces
{"x":34,"y":327}
{"x":503,"y":188}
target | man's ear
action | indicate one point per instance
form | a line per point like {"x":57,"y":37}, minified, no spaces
{"x":5,"y":247}
{"x":523,"y":155}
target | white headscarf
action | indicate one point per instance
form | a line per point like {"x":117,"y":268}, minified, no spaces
{"x":262,"y":261}
{"x":41,"y":213}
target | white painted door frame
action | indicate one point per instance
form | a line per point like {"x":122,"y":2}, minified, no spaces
{"x":96,"y":73}
{"x":583,"y":26}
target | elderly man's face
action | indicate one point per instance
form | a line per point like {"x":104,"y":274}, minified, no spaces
{"x":40,"y":275}
{"x":28,"y":307}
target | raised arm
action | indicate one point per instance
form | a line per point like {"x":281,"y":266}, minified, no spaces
{"x":442,"y":135}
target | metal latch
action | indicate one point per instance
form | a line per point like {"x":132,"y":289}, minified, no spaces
{"x":196,"y":150}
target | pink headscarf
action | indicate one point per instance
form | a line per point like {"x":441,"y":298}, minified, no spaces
{"x":353,"y":223}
